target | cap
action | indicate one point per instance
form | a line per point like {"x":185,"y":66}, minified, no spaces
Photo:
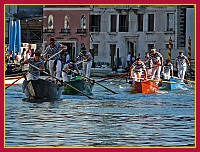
{"x":180,"y":53}
{"x":52,"y":40}
{"x":138,"y":58}
{"x":83,"y":49}
{"x":37,"y":52}
{"x":153,"y":50}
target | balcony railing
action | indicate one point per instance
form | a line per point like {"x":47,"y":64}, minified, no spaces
{"x":50,"y":31}
{"x":65,"y":31}
{"x":81,"y":31}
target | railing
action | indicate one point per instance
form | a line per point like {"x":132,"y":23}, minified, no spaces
{"x":49,"y":31}
{"x":81,"y":31}
{"x":65,"y":31}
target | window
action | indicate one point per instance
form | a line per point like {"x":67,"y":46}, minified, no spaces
{"x":170,"y":21}
{"x":123,"y":23}
{"x":112,"y":54}
{"x":50,"y":22}
{"x":66,"y":22}
{"x":95,"y":49}
{"x":150,"y":46}
{"x":83,"y":22}
{"x":140,"y":22}
{"x":113,"y":23}
{"x":150,"y":22}
{"x":95,"y":23}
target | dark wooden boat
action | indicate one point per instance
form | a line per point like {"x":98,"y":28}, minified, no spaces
{"x":172,"y":84}
{"x":145,"y":87}
{"x":41,"y":89}
{"x":82,"y":85}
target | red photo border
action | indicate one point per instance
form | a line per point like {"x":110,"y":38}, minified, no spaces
{"x":117,"y":149}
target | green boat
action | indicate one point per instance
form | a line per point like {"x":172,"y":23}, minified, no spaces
{"x":82,"y":85}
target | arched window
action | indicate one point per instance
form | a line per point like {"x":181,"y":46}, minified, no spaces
{"x":66,"y":22}
{"x":50,"y":22}
{"x":83,"y":22}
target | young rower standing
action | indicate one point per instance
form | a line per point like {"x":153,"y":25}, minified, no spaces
{"x":33,"y":73}
{"x":168,"y":70}
{"x":181,"y":65}
{"x":55,"y":61}
{"x":87,"y":59}
{"x":146,"y":62}
{"x":157,"y":60}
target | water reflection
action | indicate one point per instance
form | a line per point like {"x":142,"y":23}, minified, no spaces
{"x":124,"y":119}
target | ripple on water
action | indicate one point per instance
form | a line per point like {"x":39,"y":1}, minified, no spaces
{"x":123,"y":119}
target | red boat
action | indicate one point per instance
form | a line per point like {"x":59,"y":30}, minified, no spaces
{"x":145,"y":87}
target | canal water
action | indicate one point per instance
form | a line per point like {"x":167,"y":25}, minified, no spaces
{"x":121,"y":120}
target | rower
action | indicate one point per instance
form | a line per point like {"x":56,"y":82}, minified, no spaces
{"x":168,"y":70}
{"x":157,"y":60}
{"x":68,"y":71}
{"x":136,"y":70}
{"x":181,"y":65}
{"x":53,"y":56}
{"x":87,"y":59}
{"x":34,"y":73}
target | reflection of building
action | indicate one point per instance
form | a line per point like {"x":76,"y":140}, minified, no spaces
{"x":69,"y":25}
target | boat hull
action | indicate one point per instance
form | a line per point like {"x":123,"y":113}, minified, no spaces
{"x":11,"y":80}
{"x":82,"y":85}
{"x":145,"y":87}
{"x":173,"y":84}
{"x":41,"y":89}
{"x":12,"y":77}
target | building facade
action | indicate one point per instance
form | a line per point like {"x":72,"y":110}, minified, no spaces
{"x":109,"y":31}
{"x":69,"y":25}
{"x":137,"y":29}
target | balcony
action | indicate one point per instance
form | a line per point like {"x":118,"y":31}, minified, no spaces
{"x":49,"y":31}
{"x":81,"y":31}
{"x":65,"y":31}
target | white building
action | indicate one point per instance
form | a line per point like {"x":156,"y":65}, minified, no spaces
{"x":116,"y":30}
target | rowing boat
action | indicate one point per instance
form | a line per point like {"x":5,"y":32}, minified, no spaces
{"x":172,"y":84}
{"x":144,"y":87}
{"x":11,"y":78}
{"x":41,"y":89}
{"x":82,"y":85}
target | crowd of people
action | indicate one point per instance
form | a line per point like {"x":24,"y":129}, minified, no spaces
{"x":154,"y":67}
{"x":60,"y":65}
{"x":57,"y":59}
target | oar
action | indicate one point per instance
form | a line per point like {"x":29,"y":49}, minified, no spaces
{"x":163,"y":81}
{"x":101,"y":85}
{"x":55,"y":54}
{"x":184,"y":79}
{"x":63,"y":82}
{"x":14,"y":82}
{"x":95,"y":82}
{"x":121,"y":77}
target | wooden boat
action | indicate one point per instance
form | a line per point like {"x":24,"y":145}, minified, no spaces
{"x":15,"y":77}
{"x":41,"y":89}
{"x":82,"y":85}
{"x":145,"y":87}
{"x":173,"y":84}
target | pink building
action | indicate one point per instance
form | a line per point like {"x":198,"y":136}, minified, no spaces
{"x":68,"y":24}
